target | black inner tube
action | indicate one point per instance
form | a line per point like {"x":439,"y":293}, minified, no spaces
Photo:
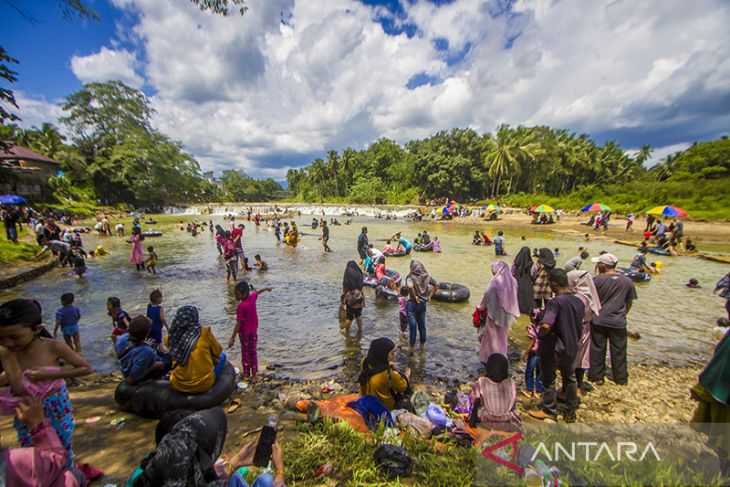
{"x":153,"y":398}
{"x":451,"y":292}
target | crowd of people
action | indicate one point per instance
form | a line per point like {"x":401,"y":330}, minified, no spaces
{"x":576,"y":320}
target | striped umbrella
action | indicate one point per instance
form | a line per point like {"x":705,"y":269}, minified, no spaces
{"x":667,"y":211}
{"x":544,"y":209}
{"x":595,"y":207}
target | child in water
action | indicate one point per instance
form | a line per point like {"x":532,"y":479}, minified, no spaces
{"x":260,"y":263}
{"x":229,"y":254}
{"x":402,"y":302}
{"x":31,"y":368}
{"x":156,"y":314}
{"x":120,"y":318}
{"x":151,"y":260}
{"x":247,"y":325}
{"x":67,"y":319}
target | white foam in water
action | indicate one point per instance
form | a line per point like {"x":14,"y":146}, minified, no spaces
{"x":268,"y":208}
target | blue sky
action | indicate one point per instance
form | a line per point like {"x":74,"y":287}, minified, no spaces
{"x":292,"y":79}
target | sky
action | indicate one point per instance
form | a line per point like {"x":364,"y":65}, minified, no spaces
{"x":292,"y":79}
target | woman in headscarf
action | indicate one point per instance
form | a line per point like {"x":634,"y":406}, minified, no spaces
{"x":377,"y":376}
{"x":521,"y":270}
{"x":421,"y":288}
{"x":539,"y":273}
{"x":188,"y":446}
{"x":195,"y":351}
{"x":352,"y":300}
{"x":495,"y":397}
{"x":585,"y":289}
{"x":500,"y":303}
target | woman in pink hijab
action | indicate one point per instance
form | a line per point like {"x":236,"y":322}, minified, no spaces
{"x":500,"y":303}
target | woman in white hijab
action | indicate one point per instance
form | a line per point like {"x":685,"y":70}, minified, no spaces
{"x":502,"y":309}
{"x":582,"y":284}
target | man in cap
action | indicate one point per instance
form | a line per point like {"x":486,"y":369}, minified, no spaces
{"x":617,"y":293}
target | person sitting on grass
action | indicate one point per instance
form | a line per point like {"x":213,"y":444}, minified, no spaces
{"x":377,"y":375}
{"x":188,"y":446}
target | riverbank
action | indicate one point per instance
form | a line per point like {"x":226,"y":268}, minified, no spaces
{"x":97,"y":441}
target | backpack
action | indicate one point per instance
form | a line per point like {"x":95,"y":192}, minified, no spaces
{"x":355,"y":299}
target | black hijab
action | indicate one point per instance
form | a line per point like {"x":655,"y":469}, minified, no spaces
{"x":546,"y":258}
{"x":523,"y":262}
{"x":376,"y":360}
{"x":353,"y":277}
{"x":187,"y":454}
{"x":497,"y":367}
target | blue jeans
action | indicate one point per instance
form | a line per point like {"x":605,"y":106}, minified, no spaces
{"x":532,"y":373}
{"x":263,"y":480}
{"x":416,"y":314}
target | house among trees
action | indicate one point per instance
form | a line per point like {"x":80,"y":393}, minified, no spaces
{"x":26,"y":173}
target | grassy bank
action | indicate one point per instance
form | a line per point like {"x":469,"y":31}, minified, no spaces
{"x":21,"y":253}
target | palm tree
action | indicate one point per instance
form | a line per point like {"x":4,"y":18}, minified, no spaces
{"x":511,"y":149}
{"x":318,"y":176}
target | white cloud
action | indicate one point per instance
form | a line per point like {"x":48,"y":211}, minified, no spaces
{"x":293,"y":78}
{"x":107,"y":64}
{"x":33,"y":111}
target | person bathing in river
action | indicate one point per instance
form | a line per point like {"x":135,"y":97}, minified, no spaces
{"x":138,"y":361}
{"x":362,"y":243}
{"x":499,"y":242}
{"x":368,"y":265}
{"x":403,"y":244}
{"x":477,"y":238}
{"x":31,"y":368}
{"x":260,"y":263}
{"x":120,"y":318}
{"x":388,"y":249}
{"x":436,"y":245}
{"x":156,"y":313}
{"x":353,"y":299}
{"x":246,"y":328}
{"x":151,"y":260}
{"x":383,"y":279}
{"x":421,"y":288}
{"x":375,"y":252}
{"x":137,"y":255}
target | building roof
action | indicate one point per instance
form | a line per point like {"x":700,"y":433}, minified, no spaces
{"x":18,"y":152}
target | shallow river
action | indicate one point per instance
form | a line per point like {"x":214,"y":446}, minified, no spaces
{"x":299,"y":332}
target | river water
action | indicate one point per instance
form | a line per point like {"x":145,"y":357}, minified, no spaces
{"x":299,"y":332}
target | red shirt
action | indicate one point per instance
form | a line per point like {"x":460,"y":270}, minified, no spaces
{"x":236,"y":235}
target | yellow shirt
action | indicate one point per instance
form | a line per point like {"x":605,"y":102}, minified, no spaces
{"x":377,"y":386}
{"x":197,"y":376}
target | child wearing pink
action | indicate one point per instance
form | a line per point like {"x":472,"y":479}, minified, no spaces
{"x":247,"y":325}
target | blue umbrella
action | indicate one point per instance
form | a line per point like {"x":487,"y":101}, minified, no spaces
{"x":11,"y":199}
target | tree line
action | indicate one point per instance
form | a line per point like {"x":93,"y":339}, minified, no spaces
{"x":464,"y":165}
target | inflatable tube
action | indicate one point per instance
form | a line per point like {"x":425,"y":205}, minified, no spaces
{"x":635,"y":275}
{"x":423,"y":248}
{"x":658,"y":251}
{"x":152,"y":399}
{"x":371,"y":281}
{"x":451,"y":292}
{"x":152,"y":233}
{"x":402,"y":253}
{"x":385,"y":293}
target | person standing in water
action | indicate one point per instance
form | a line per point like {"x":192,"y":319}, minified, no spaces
{"x":421,"y":288}
{"x":353,"y":299}
{"x":325,"y":237}
{"x":362,"y":243}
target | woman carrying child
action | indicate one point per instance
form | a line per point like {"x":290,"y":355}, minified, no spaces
{"x":31,"y":368}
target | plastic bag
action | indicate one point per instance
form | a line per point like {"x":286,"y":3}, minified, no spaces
{"x":393,"y":461}
{"x":420,"y":402}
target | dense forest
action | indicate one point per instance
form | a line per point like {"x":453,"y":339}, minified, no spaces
{"x":466,"y":166}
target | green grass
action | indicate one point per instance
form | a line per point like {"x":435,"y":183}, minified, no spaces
{"x":351,"y":453}
{"x":16,"y":254}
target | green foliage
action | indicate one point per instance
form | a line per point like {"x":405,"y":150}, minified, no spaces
{"x":238,"y":186}
{"x":221,"y":7}
{"x":11,"y":253}
{"x":7,"y":96}
{"x":705,"y":160}
{"x":351,"y":455}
